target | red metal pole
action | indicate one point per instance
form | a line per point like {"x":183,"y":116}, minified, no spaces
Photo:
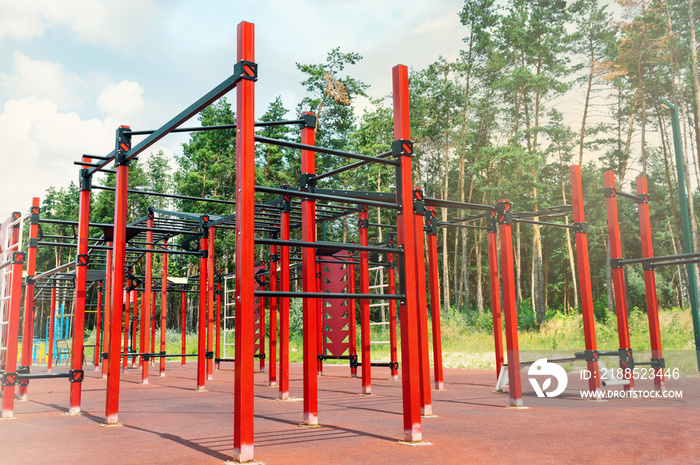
{"x":210,"y":306}
{"x":403,"y":150}
{"x":202,"y":333}
{"x":353,"y":319}
{"x":435,"y":298}
{"x":108,"y":310}
{"x":127,"y":314}
{"x":284,"y":302}
{"x":119,"y":255}
{"x":364,"y":304}
{"x":505,"y":223}
{"x":650,"y":284}
{"x":147,"y":295}
{"x":262,"y":321}
{"x":51,"y":327}
{"x":392,"y":313}
{"x":163,"y":309}
{"x":243,"y":427}
{"x":218,"y":319}
{"x":320,"y":344}
{"x":308,"y":257}
{"x":584,"y":277}
{"x":184,"y":327}
{"x":28,"y":329}
{"x":152,"y":324}
{"x":495,"y":291}
{"x":80,"y":287}
{"x":272,"y":380}
{"x":421,"y":291}
{"x":135,"y":323}
{"x":618,"y":274}
{"x":98,"y":326}
{"x":8,"y":400}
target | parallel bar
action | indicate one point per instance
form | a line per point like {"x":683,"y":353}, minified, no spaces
{"x":349,"y":167}
{"x":169,"y":196}
{"x":327,"y":197}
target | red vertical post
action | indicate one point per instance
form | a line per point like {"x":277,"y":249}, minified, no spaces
{"x":118,"y":256}
{"x":320,"y":343}
{"x":147,"y":295}
{"x":394,"y":356}
{"x":618,"y":274}
{"x":366,"y":348}
{"x":217,"y":353}
{"x":8,"y":399}
{"x":210,"y":305}
{"x":108,"y":310}
{"x":584,"y":277}
{"x":152,"y":324}
{"x":52,"y":322}
{"x":284,"y":301}
{"x":402,"y":149}
{"x":308,"y":258}
{"x":495,"y":291}
{"x":98,"y":325}
{"x":127,"y":313}
{"x":28,"y":329}
{"x":421,"y":291}
{"x":435,"y":298}
{"x":650,"y":284}
{"x":135,"y":322}
{"x":163,"y":310}
{"x":243,"y":427}
{"x":202,"y":332}
{"x":81,"y":266}
{"x":505,"y":223}
{"x":353,"y":319}
{"x":184,"y":327}
{"x":262,"y":321}
{"x":272,"y":378}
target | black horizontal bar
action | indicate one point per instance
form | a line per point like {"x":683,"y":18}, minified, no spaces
{"x":314,"y":148}
{"x":170,"y":196}
{"x":218,"y":127}
{"x":452,"y":204}
{"x":328,"y":245}
{"x":544,"y":223}
{"x":629,"y":196}
{"x":42,"y":375}
{"x":660,"y":258}
{"x":332,"y":198}
{"x":676,"y":262}
{"x":328,"y":295}
{"x":342,"y":169}
{"x":459,"y":225}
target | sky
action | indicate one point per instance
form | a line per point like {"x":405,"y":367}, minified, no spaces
{"x":72,"y":71}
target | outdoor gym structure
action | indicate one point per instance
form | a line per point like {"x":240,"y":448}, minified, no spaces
{"x":266,"y":217}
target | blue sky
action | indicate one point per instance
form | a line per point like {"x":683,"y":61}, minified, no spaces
{"x":71,"y":71}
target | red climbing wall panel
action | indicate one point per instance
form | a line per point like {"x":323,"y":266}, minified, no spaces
{"x":336,"y":314}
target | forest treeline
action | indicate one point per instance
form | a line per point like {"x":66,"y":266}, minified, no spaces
{"x":538,"y":85}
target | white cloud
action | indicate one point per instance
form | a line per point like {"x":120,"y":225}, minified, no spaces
{"x":94,"y":21}
{"x":44,"y":80}
{"x":121,"y":100}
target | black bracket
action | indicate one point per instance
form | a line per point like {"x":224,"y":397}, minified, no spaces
{"x":85,"y":180}
{"x":82,"y":260}
{"x":260,"y":280}
{"x":29,"y":280}
{"x":318,"y":275}
{"x":307,"y":183}
{"x":642,"y":198}
{"x":353,"y":361}
{"x":190,"y":243}
{"x":581,"y":227}
{"x":15,"y":217}
{"x":9,"y":379}
{"x":18,"y":258}
{"x":259,"y":356}
{"x":646,"y":266}
{"x":23,"y":370}
{"x":34,"y":218}
{"x":105,"y":355}
{"x":418,"y":204}
{"x":503,"y":213}
{"x":616,"y":263}
{"x":274,"y":258}
{"x":626,"y":359}
{"x":363,"y":223}
{"x":491,"y":223}
{"x":609,"y":192}
{"x":591,"y":355}
{"x":308,"y":121}
{"x":123,"y":146}
{"x":209,"y":355}
{"x":402,"y":147}
{"x":657,"y":363}
{"x":204,"y":253}
{"x":33,"y":242}
{"x":247,"y":70}
{"x":76,"y":376}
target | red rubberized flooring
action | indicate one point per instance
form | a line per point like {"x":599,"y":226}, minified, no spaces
{"x":168,"y":422}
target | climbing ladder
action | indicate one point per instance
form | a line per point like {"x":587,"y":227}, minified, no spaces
{"x":381,"y":276}
{"x":228,"y":326}
{"x":9,"y":243}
